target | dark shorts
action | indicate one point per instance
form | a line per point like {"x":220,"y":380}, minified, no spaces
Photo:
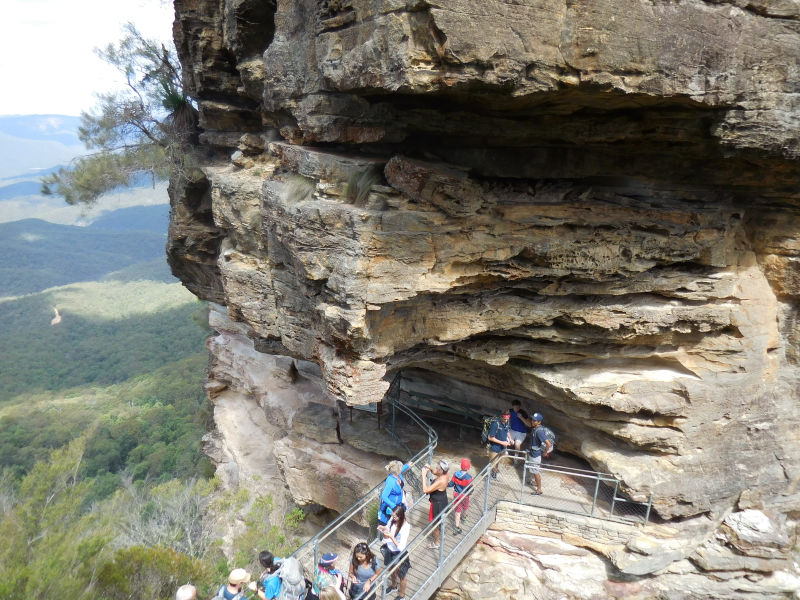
{"x":389,"y":557}
{"x":436,"y":508}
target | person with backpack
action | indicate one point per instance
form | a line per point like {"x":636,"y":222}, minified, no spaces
{"x":364,"y":570}
{"x":235,"y":589}
{"x":540,"y":444}
{"x":460,"y":481}
{"x":498,"y":440}
{"x":268,"y":584}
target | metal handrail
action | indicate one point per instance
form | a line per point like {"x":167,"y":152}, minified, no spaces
{"x":375,"y":492}
{"x":445,"y":563}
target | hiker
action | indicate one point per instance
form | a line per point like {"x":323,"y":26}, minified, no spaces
{"x":519,"y":423}
{"x":235,"y":590}
{"x":437,"y":492}
{"x":270,"y":564}
{"x":393,"y":490}
{"x":396,"y":534}
{"x":461,"y":479}
{"x":327,"y":575}
{"x":287,"y":582}
{"x":539,"y":444}
{"x":498,"y":440}
{"x":364,"y":570}
{"x":186,"y":592}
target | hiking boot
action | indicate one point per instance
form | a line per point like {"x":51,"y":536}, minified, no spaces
{"x":537,"y":492}
{"x":458,"y":530}
{"x":494,"y":474}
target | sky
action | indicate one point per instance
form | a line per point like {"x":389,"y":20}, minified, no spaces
{"x":47,"y":59}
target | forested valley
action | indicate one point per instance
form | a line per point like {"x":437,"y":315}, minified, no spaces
{"x":104,"y":490}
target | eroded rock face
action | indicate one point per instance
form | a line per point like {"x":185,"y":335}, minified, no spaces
{"x":591,"y":206}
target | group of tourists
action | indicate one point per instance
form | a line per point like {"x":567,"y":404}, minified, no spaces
{"x":285,"y":579}
{"x":511,"y":430}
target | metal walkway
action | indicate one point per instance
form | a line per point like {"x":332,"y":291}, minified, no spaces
{"x":430,"y":567}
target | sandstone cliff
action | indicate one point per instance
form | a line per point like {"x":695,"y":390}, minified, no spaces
{"x":591,"y":205}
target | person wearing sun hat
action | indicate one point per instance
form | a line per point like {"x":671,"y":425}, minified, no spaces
{"x":461,"y":479}
{"x":327,"y":575}
{"x":236,"y":588}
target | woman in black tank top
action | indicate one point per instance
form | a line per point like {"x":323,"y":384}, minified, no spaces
{"x":437,"y":492}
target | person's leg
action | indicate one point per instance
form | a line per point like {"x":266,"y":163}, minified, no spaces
{"x":403,"y":571}
{"x":535,"y":464}
{"x":496,"y":466}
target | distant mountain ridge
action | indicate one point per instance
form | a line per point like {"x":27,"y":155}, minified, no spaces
{"x":39,"y":255}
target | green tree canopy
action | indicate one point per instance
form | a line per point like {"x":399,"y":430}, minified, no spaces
{"x":142,"y":129}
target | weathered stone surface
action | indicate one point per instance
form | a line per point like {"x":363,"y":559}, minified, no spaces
{"x":591,"y":206}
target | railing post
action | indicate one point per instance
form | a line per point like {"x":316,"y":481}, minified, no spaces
{"x":316,"y":554}
{"x":596,"y":490}
{"x":649,"y":506}
{"x":441,"y":540}
{"x":614,"y":496}
{"x":524,"y":473}
{"x":394,"y":417}
{"x":486,"y":495}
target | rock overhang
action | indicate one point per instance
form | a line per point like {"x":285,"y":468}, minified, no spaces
{"x":587,"y":221}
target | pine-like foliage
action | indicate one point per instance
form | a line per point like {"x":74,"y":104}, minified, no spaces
{"x":144,"y":128}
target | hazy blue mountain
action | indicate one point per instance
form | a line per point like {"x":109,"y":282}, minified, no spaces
{"x":23,"y":188}
{"x":38,"y":255}
{"x":146,"y":218}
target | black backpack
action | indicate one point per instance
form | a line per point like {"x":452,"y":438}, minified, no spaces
{"x":487,"y":427}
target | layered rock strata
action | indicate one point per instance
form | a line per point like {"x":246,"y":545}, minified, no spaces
{"x":591,"y":206}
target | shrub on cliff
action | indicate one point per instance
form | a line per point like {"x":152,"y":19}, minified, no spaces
{"x":145,"y":128}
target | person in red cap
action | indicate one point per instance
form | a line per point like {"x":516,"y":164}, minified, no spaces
{"x":461,"y":479}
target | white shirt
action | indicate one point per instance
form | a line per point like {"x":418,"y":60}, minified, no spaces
{"x":401,"y":537}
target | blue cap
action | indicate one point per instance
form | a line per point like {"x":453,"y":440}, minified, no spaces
{"x":328,"y":558}
{"x":537,"y":417}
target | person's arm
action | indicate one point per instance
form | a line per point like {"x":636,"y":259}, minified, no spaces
{"x":426,"y":488}
{"x":371,"y":580}
{"x":407,"y":466}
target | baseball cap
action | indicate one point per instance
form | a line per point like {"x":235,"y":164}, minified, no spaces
{"x":537,"y":417}
{"x":328,"y":558}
